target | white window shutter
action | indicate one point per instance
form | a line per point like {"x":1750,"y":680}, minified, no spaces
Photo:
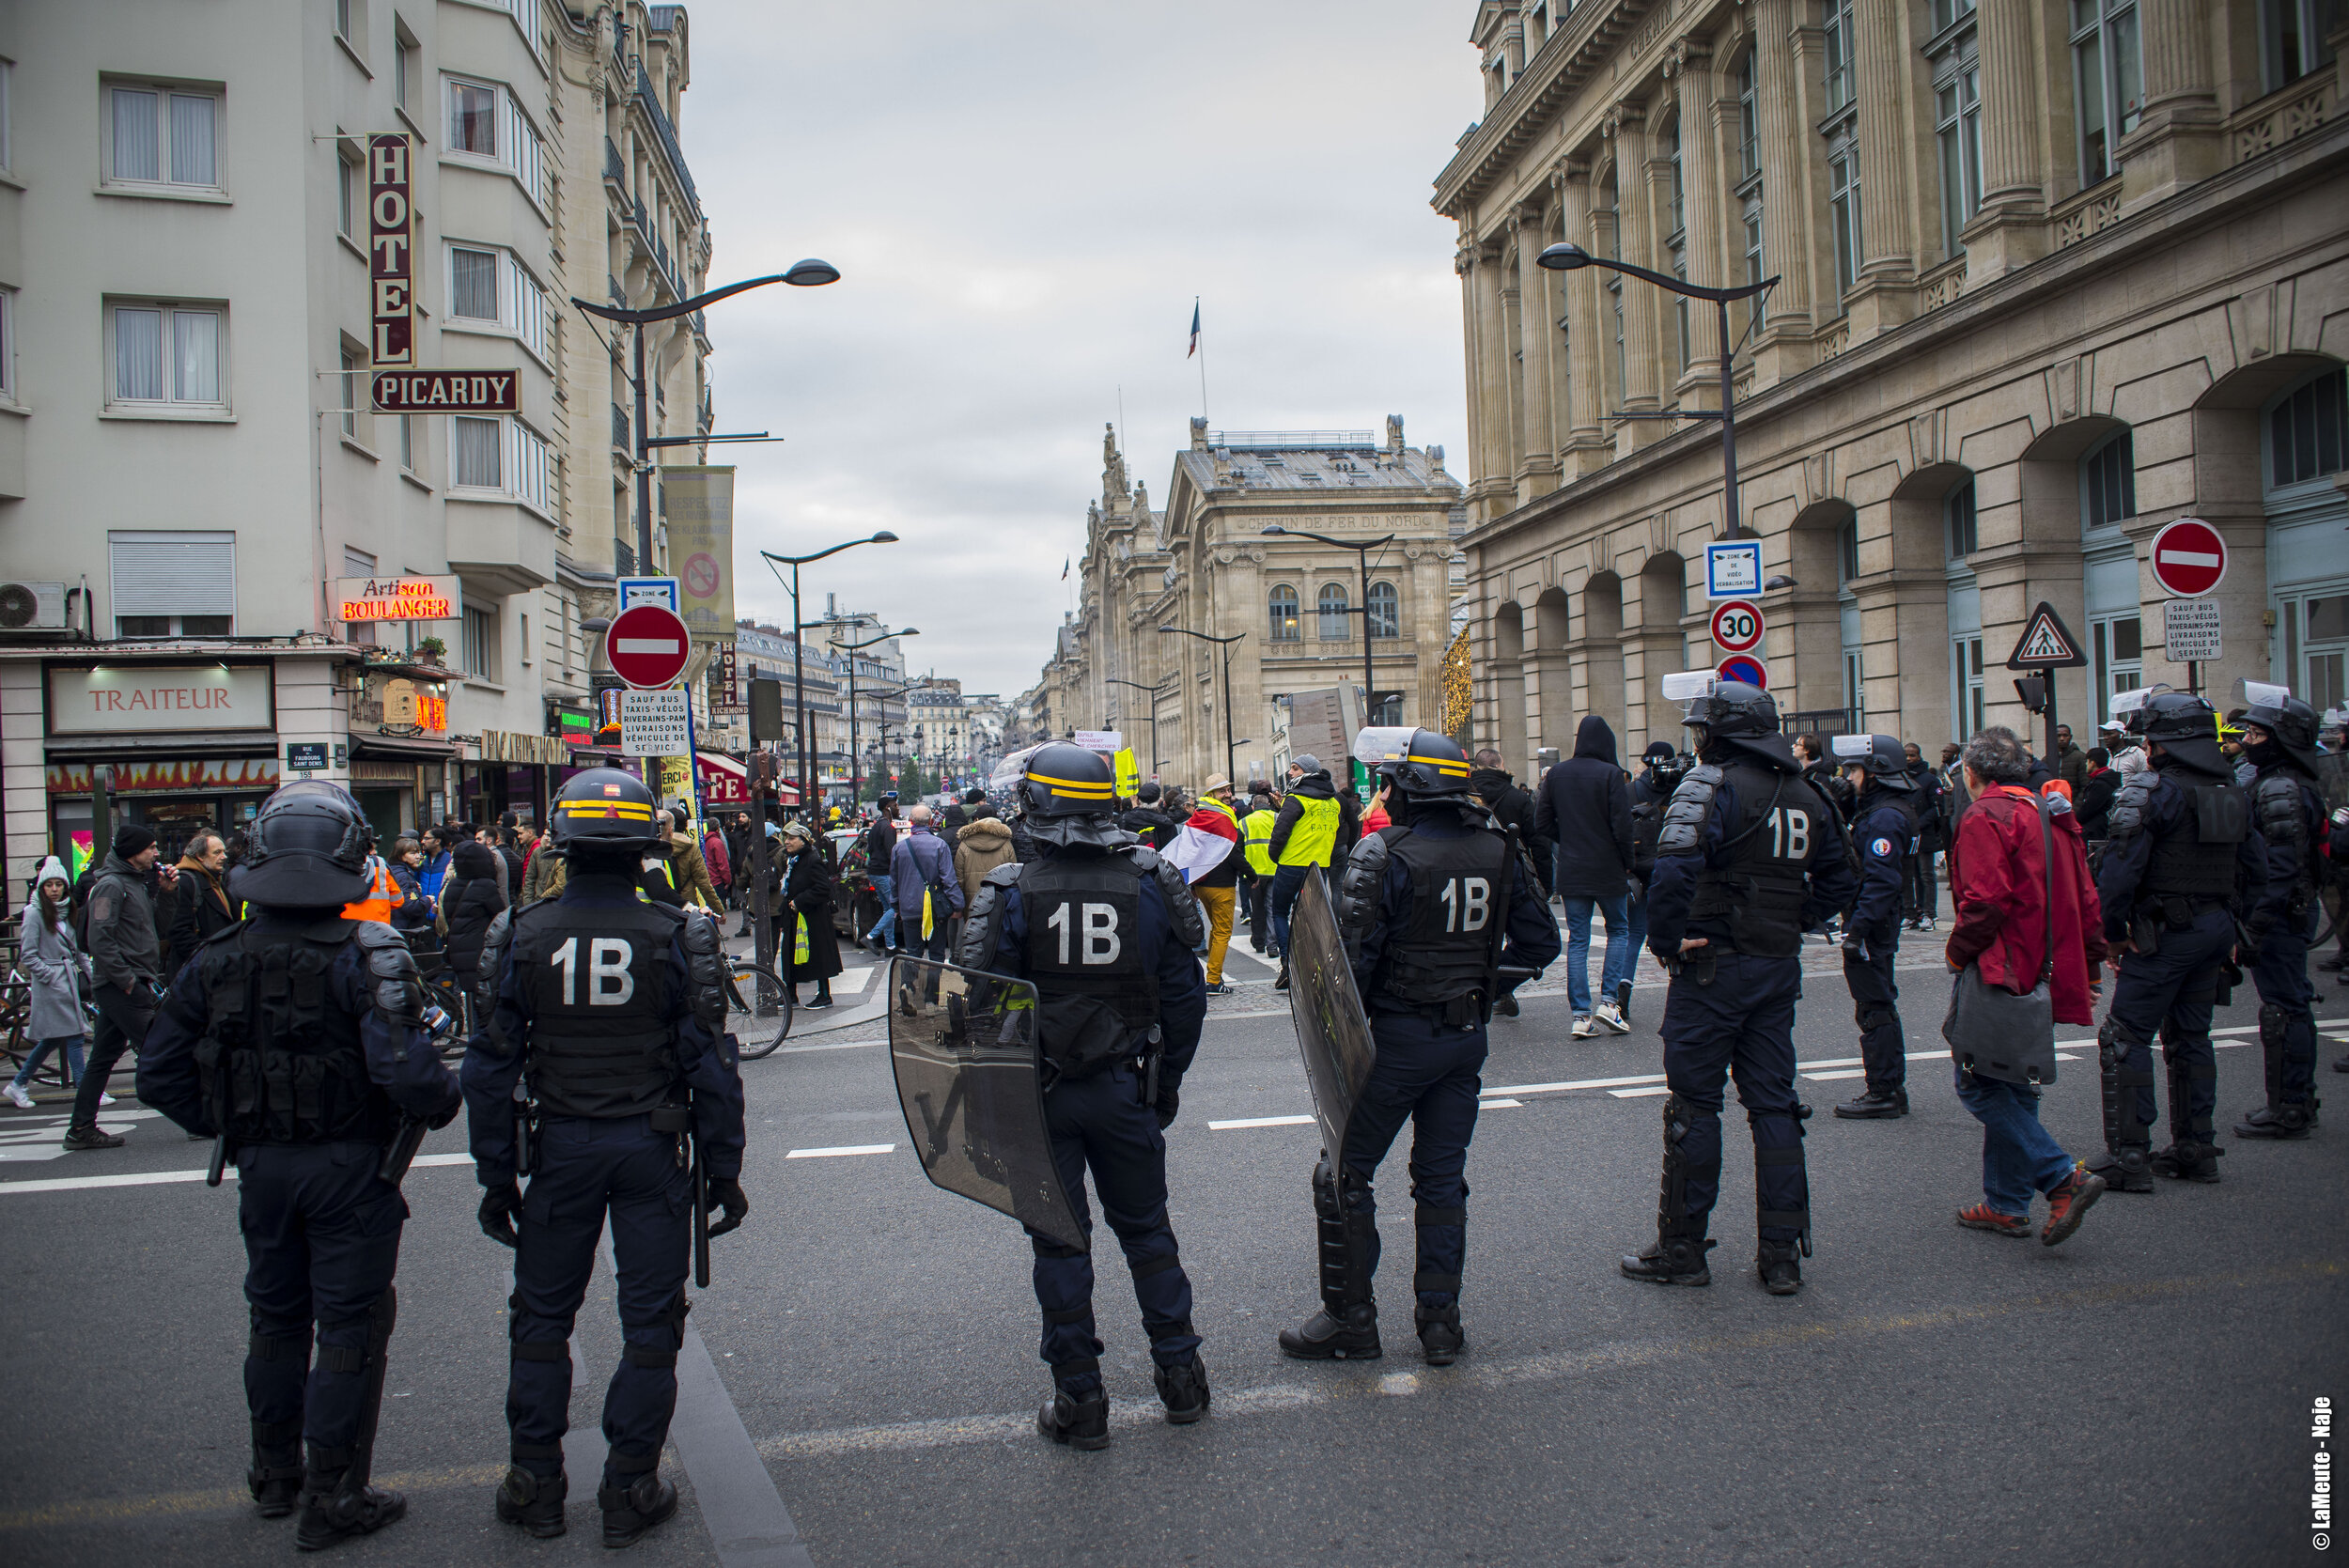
{"x":173,"y":573}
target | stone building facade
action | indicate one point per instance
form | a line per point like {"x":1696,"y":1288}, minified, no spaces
{"x":2048,"y":278}
{"x":1205,"y":563}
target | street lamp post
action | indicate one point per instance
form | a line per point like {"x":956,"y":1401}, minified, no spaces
{"x":808,"y":788}
{"x":1567,"y":258}
{"x":855,"y":793}
{"x":1230,"y":747}
{"x":1115,"y":680}
{"x":1362,"y":554}
{"x":810,"y":274}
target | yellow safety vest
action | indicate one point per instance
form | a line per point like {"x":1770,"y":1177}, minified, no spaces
{"x":1259,"y":825}
{"x":1315,"y":835}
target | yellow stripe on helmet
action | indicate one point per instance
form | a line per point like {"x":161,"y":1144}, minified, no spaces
{"x":1085,"y":789}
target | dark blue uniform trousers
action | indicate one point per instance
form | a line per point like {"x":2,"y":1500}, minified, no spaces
{"x":321,"y":1242}
{"x":1425,"y":1073}
{"x":2280,"y":970}
{"x":1743,"y":1023}
{"x":587,"y":1169}
{"x":2172,"y":991}
{"x":1100,"y":1123}
{"x":1876,"y":1008}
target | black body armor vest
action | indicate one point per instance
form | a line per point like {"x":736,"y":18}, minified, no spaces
{"x":598,"y":985}
{"x":1459,"y":889}
{"x":1758,"y":888}
{"x":2288,"y":812}
{"x":1084,"y":934}
{"x":282,"y":1062}
{"x":2196,"y":859}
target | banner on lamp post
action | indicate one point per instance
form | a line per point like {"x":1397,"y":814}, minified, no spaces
{"x":700,"y":507}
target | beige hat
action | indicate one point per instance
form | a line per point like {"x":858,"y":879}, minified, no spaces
{"x":1219,"y":782}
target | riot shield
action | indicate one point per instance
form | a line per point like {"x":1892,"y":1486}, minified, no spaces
{"x":963,"y":1046}
{"x":1332,"y":1033}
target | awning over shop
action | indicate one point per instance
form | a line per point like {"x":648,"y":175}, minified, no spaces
{"x":400,"y":747}
{"x":218,"y":743}
{"x":725,"y":781}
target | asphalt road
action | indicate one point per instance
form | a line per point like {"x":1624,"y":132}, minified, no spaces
{"x":2141,"y":1394}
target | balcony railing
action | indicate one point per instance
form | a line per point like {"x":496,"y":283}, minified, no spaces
{"x":619,"y":428}
{"x":614,"y":170}
{"x":623,"y":558}
{"x":619,"y":295}
{"x":651,"y":102}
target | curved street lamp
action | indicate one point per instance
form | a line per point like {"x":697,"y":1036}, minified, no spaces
{"x":851,"y":647}
{"x":1566,"y":256}
{"x":808,"y":790}
{"x":1230,"y":747}
{"x":1362,"y":550}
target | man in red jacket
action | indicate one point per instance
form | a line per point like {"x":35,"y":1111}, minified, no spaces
{"x":1999,"y":886}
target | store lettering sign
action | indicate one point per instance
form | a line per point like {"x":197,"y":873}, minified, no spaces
{"x":149,"y":698}
{"x":445,"y":391}
{"x":391,"y":249}
{"x":396,"y":598}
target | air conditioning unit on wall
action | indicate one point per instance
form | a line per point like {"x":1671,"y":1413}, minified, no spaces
{"x":32,"y":607}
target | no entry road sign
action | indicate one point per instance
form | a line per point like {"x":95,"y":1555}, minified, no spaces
{"x":647,"y":647}
{"x":1736,"y":626}
{"x":1747,"y":668}
{"x":2189,"y":558}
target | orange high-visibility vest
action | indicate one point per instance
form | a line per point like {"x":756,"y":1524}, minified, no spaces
{"x":384,"y":895}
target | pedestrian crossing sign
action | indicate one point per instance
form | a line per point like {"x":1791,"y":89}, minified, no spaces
{"x":2046,"y":644}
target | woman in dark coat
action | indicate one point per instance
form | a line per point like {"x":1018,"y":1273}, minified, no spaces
{"x":471,"y":899}
{"x":807,"y":889}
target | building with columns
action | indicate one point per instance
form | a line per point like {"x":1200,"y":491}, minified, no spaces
{"x":1205,"y":563}
{"x":2048,"y":277}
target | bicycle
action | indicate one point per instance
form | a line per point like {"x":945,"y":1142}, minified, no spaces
{"x":757,"y":1026}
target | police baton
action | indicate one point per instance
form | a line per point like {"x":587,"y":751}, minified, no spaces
{"x":402,"y":1152}
{"x":701,"y":1218}
{"x":220,"y":1161}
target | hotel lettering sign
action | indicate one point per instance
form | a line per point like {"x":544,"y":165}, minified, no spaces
{"x":391,"y":249}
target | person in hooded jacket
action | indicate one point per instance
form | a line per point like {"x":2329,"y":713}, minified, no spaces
{"x":984,"y":844}
{"x":470,"y":900}
{"x":1512,"y":807}
{"x":60,"y":976}
{"x":1317,"y":827}
{"x":1148,"y":820}
{"x":1585,"y":808}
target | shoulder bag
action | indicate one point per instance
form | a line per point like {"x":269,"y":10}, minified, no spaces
{"x":1995,"y":1034}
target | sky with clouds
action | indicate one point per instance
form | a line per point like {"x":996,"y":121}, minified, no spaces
{"x":1022,"y":197}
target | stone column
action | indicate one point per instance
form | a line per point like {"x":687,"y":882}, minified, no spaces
{"x":2179,"y":138}
{"x":1586,"y":441}
{"x":1785,"y":229}
{"x":1635,"y":240}
{"x":1702,"y":194}
{"x":2009,"y":230}
{"x":1887,"y":246}
{"x":1537,"y":453}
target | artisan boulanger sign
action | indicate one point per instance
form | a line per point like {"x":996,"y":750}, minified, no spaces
{"x":447,"y":392}
{"x":392,"y":249}
{"x":396,"y":598}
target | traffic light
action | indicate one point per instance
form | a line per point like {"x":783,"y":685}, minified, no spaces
{"x":766,"y":711}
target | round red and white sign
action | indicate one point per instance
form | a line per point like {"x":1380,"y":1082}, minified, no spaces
{"x":1747,"y":668}
{"x":2189,"y":558}
{"x":1736,"y":626}
{"x":647,"y":645}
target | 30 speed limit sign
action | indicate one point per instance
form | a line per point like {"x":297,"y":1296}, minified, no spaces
{"x":1737,"y":626}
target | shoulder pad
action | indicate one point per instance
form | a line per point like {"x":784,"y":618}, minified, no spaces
{"x":393,"y":983}
{"x":705,"y":968}
{"x":1684,"y":815}
{"x":1362,"y":887}
{"x":1003,"y":876}
{"x":2127,"y":818}
{"x":1191,"y":926}
{"x":1139,"y":855}
{"x":977,"y":948}
{"x":385,"y":949}
{"x":2276,"y":797}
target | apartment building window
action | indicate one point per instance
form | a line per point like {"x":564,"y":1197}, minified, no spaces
{"x":1749,"y":189}
{"x":7,"y":345}
{"x":404,"y":62}
{"x":1282,"y":604}
{"x":342,"y":20}
{"x":2307,"y":432}
{"x":480,"y":649}
{"x":486,"y":121}
{"x":1676,"y":239}
{"x":1838,"y":39}
{"x":346,"y":192}
{"x":7,"y":91}
{"x":2116,"y":643}
{"x":503,"y":455}
{"x":489,"y":290}
{"x":2292,"y":39}
{"x":1972,"y":715}
{"x":172,"y":582}
{"x":1957,"y":118}
{"x":1959,"y":508}
{"x":408,"y":443}
{"x":2108,"y":483}
{"x":2108,"y":77}
{"x":1386,"y":611}
{"x":352,"y":383}
{"x":1333,"y":607}
{"x":161,"y":137}
{"x":1843,"y":183}
{"x":475,"y":454}
{"x":167,"y":356}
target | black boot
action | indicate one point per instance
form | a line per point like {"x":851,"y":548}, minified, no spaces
{"x":1779,"y":1266}
{"x":1082,"y":1421}
{"x":2189,"y":1162}
{"x":1183,"y":1389}
{"x":1439,"y":1337}
{"x":275,"y":1475}
{"x":1875,"y":1105}
{"x":533,"y":1501}
{"x":1321,"y":1337}
{"x":2283,"y":1122}
{"x":635,"y":1505}
{"x":337,"y":1504}
{"x":1671,"y":1261}
{"x":1506,"y":1007}
{"x":2126,"y":1170}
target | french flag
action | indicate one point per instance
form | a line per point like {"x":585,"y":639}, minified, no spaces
{"x":1194,"y":329}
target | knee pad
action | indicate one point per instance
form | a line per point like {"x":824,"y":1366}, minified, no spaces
{"x":1882,"y":1018}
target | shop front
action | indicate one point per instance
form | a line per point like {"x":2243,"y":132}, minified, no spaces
{"x":400,"y":747}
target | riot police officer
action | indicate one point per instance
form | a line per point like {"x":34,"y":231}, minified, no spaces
{"x":605,"y":1043}
{"x":297,"y":1039}
{"x":2280,"y":742}
{"x":1884,"y":831}
{"x":1104,"y":930}
{"x":1424,"y":907}
{"x":2184,"y":858}
{"x":1753,"y":854}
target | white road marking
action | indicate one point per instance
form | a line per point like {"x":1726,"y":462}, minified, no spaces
{"x":842,"y":1149}
{"x":1640,"y":1094}
{"x":1578,"y":1083}
{"x":1498,"y":1104}
{"x":136,"y":1178}
{"x":1262,"y":1122}
{"x":826,"y":1045}
{"x":1840,"y":1072}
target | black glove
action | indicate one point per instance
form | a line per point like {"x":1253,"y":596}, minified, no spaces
{"x":726,"y":1192}
{"x":1169,"y":1102}
{"x":501,"y":1206}
{"x":1855,"y":945}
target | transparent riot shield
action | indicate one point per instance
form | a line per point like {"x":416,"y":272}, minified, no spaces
{"x":1332,"y":1033}
{"x":963,"y":1046}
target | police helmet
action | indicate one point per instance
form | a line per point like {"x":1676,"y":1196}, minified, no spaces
{"x":1732,"y":712}
{"x":2183,"y":726}
{"x":604,"y":808}
{"x":1064,"y":779}
{"x":2275,"y":710}
{"x":1884,"y":758}
{"x":1432,"y":766}
{"x":308,"y":849}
